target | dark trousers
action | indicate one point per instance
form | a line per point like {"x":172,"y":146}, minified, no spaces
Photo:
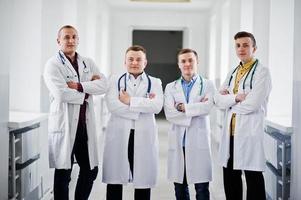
{"x":86,"y":176}
{"x":114,"y":191}
{"x":182,"y":191}
{"x":233,"y":182}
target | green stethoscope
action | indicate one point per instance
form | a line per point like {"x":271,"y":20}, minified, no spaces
{"x":253,"y":68}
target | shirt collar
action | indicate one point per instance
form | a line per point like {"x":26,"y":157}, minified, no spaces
{"x":247,"y":65}
{"x":183,"y":81}
{"x":140,"y":77}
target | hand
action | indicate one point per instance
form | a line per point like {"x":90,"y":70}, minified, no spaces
{"x":240,"y":97}
{"x":151,"y":95}
{"x":95,"y":77}
{"x":72,"y":85}
{"x":124,"y":97}
{"x":224,"y":92}
{"x":180,"y":107}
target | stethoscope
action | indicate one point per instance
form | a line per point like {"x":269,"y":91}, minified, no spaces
{"x":254,"y":65}
{"x":201,"y":84}
{"x":149,"y":86}
{"x":63,"y":60}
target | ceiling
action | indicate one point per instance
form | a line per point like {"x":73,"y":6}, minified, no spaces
{"x":163,"y":4}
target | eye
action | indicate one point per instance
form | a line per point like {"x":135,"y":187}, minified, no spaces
{"x":67,"y":37}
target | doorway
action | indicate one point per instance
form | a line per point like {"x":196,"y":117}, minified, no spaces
{"x":162,"y":48}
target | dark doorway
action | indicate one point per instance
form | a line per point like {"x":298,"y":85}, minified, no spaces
{"x":162,"y":48}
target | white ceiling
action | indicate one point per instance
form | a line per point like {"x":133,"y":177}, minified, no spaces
{"x":192,"y":5}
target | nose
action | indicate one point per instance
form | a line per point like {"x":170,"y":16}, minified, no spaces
{"x":134,"y":62}
{"x":186,"y":64}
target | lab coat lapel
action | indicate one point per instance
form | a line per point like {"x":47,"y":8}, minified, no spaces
{"x":142,"y":88}
{"x":67,"y":63}
{"x":80,"y":66}
{"x":179,"y":89}
{"x":129,"y":88}
{"x":195,"y":89}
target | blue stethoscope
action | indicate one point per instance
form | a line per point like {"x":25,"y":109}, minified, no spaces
{"x":201,"y":84}
{"x":253,"y":67}
{"x":63,"y":60}
{"x":149,"y":86}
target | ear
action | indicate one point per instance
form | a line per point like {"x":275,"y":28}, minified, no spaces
{"x":58,"y":41}
{"x":255,"y":48}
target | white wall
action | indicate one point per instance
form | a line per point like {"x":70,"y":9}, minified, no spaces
{"x":5,"y":40}
{"x":123,"y":22}
{"x":226,"y":24}
{"x":261,"y":26}
{"x":296,"y":137}
{"x":281,"y":44}
{"x":25,"y":59}
{"x":103,"y":38}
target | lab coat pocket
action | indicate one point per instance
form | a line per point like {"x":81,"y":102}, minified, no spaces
{"x":172,"y":139}
{"x":56,"y":122}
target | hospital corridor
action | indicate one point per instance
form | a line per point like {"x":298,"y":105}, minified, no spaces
{"x":136,"y":98}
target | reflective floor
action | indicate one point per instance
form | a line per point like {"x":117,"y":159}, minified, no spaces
{"x":164,"y":189}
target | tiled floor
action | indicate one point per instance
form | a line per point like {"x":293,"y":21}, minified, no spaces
{"x":164,"y":189}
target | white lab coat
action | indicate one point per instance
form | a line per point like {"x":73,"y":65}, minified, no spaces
{"x":116,"y":168}
{"x":249,"y":125}
{"x":65,"y":107}
{"x":195,"y":121}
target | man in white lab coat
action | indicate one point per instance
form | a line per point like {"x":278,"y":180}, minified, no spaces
{"x":244,"y":97}
{"x":72,"y":80}
{"x":187,"y":104}
{"x":131,"y":141}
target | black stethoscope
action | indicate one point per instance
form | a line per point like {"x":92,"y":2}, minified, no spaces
{"x":63,"y":60}
{"x":253,"y":67}
{"x":201,"y":84}
{"x":149,"y":86}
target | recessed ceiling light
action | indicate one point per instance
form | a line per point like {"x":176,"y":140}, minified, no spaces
{"x":163,"y":1}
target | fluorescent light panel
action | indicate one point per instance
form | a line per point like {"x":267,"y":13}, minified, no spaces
{"x":163,"y":1}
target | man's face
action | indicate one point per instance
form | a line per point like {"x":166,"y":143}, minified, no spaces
{"x":68,"y":40}
{"x":135,"y":62}
{"x":188,"y":64}
{"x":244,"y":49}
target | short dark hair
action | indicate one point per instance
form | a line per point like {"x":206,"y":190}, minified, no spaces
{"x":136,"y":48}
{"x":245,"y":34}
{"x":63,"y":27}
{"x":187,"y":50}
